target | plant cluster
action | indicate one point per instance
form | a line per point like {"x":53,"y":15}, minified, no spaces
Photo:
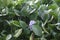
{"x":29,"y":19}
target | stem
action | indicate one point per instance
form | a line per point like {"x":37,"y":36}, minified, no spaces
{"x":44,"y":27}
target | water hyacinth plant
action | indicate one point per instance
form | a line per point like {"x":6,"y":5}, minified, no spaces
{"x":29,"y":19}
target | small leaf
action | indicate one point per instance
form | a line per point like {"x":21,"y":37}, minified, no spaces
{"x":14,"y":23}
{"x":9,"y":37}
{"x":53,"y":6}
{"x":37,"y":30}
{"x":32,"y":37}
{"x":18,"y":33}
{"x":23,"y":24}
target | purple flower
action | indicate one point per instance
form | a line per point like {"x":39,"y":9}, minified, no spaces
{"x":32,"y":22}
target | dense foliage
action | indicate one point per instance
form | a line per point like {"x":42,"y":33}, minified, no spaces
{"x":29,"y":19}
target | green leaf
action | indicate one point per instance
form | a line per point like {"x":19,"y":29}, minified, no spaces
{"x":33,"y":16}
{"x":9,"y":37}
{"x":37,"y":30}
{"x":32,"y":37}
{"x":23,"y":24}
{"x":18,"y":33}
{"x":14,"y":23}
{"x":53,"y":6}
{"x":54,"y":14}
{"x":43,"y":12}
{"x":57,"y":0}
